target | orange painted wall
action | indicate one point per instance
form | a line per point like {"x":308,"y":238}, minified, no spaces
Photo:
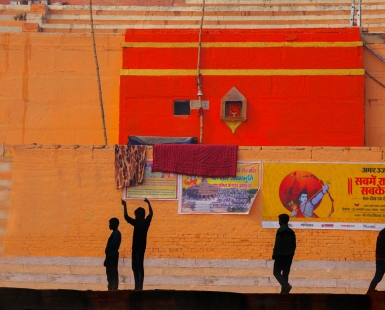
{"x":49,"y":91}
{"x":282,"y":110}
{"x":62,"y":198}
{"x":5,"y":190}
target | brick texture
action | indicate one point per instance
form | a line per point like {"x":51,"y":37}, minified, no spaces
{"x":30,"y":27}
{"x":63,"y":196}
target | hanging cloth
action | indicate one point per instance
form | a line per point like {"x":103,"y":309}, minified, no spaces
{"x":129,"y":164}
{"x":204,"y":160}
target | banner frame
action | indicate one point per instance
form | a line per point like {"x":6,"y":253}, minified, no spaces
{"x":358,"y":226}
{"x":180,"y":194}
{"x":149,"y":197}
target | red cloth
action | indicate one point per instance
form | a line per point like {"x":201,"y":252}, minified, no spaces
{"x":213,"y":161}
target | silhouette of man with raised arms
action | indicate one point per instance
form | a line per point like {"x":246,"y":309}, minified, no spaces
{"x":380,"y":261}
{"x":283,"y":253}
{"x":112,"y":255}
{"x":141,"y":224}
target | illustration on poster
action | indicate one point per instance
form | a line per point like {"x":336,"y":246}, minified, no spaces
{"x":228,"y":195}
{"x":301,"y":192}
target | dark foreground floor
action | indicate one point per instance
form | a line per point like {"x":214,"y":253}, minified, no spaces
{"x":28,"y":299}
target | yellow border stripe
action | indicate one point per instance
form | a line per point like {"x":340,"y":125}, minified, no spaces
{"x":240,"y":72}
{"x":239,"y":44}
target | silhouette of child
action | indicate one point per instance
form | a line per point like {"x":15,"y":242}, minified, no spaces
{"x":112,"y":255}
{"x":141,"y":224}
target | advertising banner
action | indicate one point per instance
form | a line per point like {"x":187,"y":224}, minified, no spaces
{"x":156,"y":185}
{"x":220,"y":195}
{"x":324,"y":195}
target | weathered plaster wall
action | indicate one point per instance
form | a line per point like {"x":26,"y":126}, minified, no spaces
{"x":63,"y":196}
{"x":49,"y":90}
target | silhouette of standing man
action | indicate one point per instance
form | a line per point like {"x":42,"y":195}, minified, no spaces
{"x":380,"y":261}
{"x":141,"y":224}
{"x":112,"y":255}
{"x":283,"y":253}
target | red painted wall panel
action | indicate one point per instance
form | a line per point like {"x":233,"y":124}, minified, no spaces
{"x":239,"y":35}
{"x":246,"y":58}
{"x":314,"y":110}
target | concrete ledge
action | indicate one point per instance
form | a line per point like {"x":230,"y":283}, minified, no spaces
{"x":10,"y":29}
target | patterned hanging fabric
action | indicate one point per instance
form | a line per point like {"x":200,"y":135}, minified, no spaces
{"x":129,"y":164}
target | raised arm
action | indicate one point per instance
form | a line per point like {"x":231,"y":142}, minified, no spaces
{"x":320,"y":195}
{"x":150,"y":213}
{"x":129,"y":219}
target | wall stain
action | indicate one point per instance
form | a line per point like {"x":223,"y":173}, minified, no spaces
{"x":108,"y":49}
{"x":5,"y":43}
{"x":25,"y":83}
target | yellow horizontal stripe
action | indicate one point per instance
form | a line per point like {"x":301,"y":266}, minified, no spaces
{"x":222,"y":72}
{"x":239,"y":44}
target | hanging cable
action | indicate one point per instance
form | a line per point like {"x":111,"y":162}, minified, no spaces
{"x":375,"y":53}
{"x":381,"y":58}
{"x":374,"y":79}
{"x":98,"y":75}
{"x":199,"y":76}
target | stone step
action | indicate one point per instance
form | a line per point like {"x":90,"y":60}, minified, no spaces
{"x":269,"y":2}
{"x":369,"y":28}
{"x":242,"y":14}
{"x":112,"y":19}
{"x":72,"y":30}
{"x":191,"y":25}
{"x":10,"y":29}
{"x":69,"y":29}
{"x":237,"y":275}
{"x":214,"y":16}
{"x":13,"y":9}
{"x":254,"y":15}
{"x":6,"y":17}
{"x":112,"y":10}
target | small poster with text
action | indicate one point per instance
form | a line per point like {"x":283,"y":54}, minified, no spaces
{"x":156,"y":185}
{"x":220,"y":195}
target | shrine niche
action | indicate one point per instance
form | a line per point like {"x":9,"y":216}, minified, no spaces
{"x":233,"y":109}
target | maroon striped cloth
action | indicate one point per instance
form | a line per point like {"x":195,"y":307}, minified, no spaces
{"x":204,"y":160}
